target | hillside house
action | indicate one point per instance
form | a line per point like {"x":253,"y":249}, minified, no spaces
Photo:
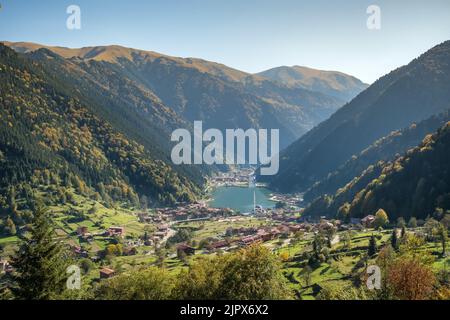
{"x":107,"y":273}
{"x":159,"y":235}
{"x":163,"y":227}
{"x":188,"y":250}
{"x":218,"y":245}
{"x":368,"y":221}
{"x":295,"y":228}
{"x":284,"y":229}
{"x":80,"y":252}
{"x":265,"y":236}
{"x":116,"y":231}
{"x":82,"y":231}
{"x":249,"y":240}
{"x":144,"y":217}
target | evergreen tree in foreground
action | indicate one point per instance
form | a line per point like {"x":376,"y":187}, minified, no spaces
{"x":372,"y":246}
{"x":40,"y":263}
{"x":441,"y":232}
{"x":403,"y":232}
{"x":394,"y":239}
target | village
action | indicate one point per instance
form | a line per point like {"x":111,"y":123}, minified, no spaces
{"x":241,"y":177}
{"x":191,"y":229}
{"x":273,"y":225}
{"x":278,"y":226}
{"x":273,"y":228}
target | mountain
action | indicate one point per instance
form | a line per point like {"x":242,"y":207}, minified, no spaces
{"x":298,"y":109}
{"x":57,"y":142}
{"x":331,"y":83}
{"x":94,"y":124}
{"x":196,"y":89}
{"x":415,"y":184}
{"x":384,"y":149}
{"x":409,"y":94}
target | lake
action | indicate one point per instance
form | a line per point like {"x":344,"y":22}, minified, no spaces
{"x":240,"y":199}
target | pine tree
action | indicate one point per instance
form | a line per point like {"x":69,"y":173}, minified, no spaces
{"x":372,"y":246}
{"x":394,"y":239}
{"x":441,"y":232}
{"x":144,"y":202}
{"x":10,"y":226}
{"x":403,"y":232}
{"x":40,"y":262}
{"x":317,"y":246}
{"x":412,"y":222}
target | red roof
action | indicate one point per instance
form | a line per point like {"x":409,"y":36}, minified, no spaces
{"x":107,"y":271}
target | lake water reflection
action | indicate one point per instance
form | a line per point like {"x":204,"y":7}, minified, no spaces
{"x":240,"y":199}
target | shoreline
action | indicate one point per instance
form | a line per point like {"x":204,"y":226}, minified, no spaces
{"x":267,"y":194}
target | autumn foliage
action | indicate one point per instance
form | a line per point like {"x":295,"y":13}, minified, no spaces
{"x":410,"y":279}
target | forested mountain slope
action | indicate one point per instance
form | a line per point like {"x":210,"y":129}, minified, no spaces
{"x":414,"y":185}
{"x":409,"y":94}
{"x":202,"y":90}
{"x":55,"y":142}
{"x":384,"y":149}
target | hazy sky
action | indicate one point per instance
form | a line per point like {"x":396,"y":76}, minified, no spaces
{"x":251,"y":35}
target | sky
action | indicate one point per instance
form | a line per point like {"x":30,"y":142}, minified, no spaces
{"x":250,"y":35}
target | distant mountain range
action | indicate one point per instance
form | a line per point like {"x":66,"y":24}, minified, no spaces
{"x":409,"y":94}
{"x":331,"y":83}
{"x":96,"y":122}
{"x":196,"y":89}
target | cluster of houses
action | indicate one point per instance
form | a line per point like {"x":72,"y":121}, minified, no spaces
{"x":80,"y":252}
{"x":290,"y":200}
{"x":290,"y":225}
{"x":284,"y":216}
{"x":247,"y":236}
{"x":162,"y":231}
{"x":234,"y":177}
{"x":193,"y":211}
{"x":159,"y":217}
{"x":242,"y":237}
{"x":266,"y":234}
{"x":289,"y":217}
{"x":84,"y":234}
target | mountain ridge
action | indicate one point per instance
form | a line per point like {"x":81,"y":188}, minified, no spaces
{"x":408,"y":94}
{"x":196,"y":89}
{"x":77,"y":139}
{"x":414,"y":184}
{"x":383,"y":150}
{"x":334,"y":83}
